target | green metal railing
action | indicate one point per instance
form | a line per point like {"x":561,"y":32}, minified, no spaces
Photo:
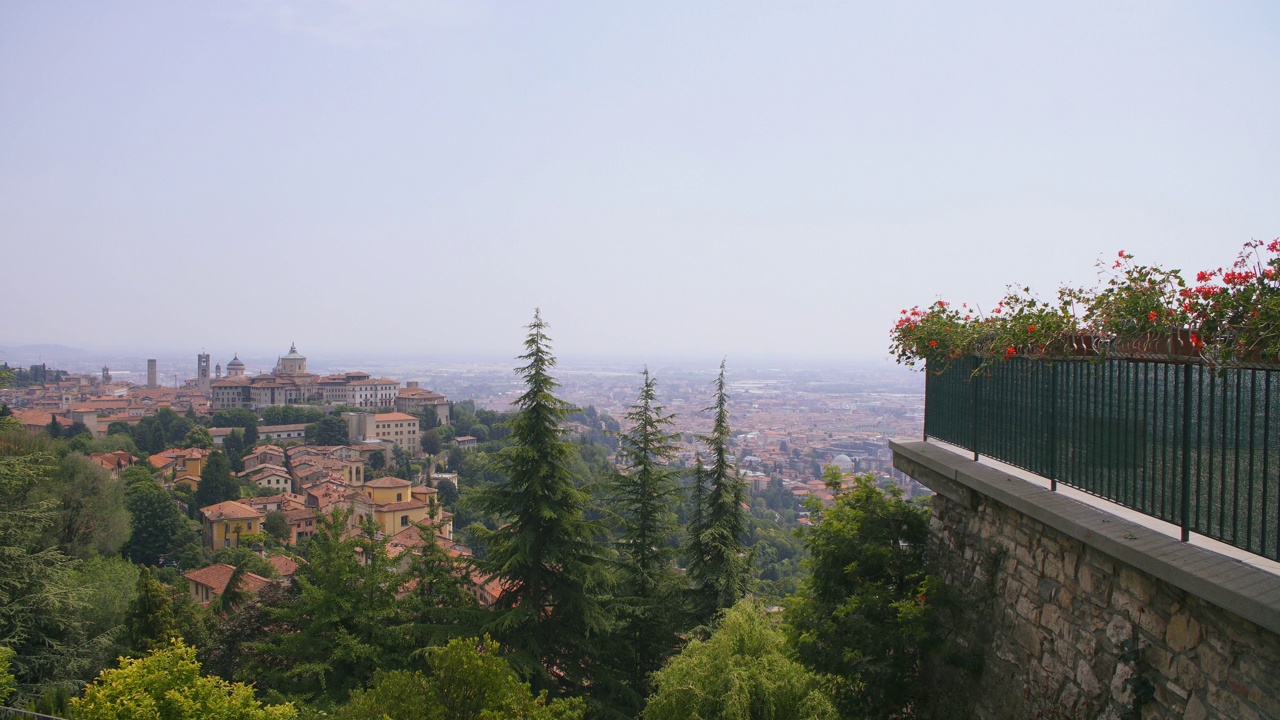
{"x":1192,"y":445}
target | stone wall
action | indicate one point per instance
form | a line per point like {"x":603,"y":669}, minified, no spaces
{"x":1078,"y":614}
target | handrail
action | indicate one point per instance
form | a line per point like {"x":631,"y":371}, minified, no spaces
{"x":1190,"y":444}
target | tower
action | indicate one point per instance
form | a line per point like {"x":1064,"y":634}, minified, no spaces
{"x":151,"y":373}
{"x":202,"y":371}
{"x":106,"y":375}
{"x":217,"y":371}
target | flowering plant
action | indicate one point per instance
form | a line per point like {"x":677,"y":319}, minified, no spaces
{"x":935,"y":335}
{"x":1238,"y":309}
{"x":1136,"y":301}
{"x":1230,"y":315}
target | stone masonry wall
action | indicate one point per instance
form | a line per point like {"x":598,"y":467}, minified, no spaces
{"x":1052,"y":616}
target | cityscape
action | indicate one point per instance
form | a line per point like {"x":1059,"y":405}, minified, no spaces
{"x":821,"y":360}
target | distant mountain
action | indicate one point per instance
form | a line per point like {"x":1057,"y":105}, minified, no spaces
{"x":16,"y":355}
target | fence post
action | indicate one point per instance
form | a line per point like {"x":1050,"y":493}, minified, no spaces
{"x":1186,"y":452}
{"x":974,"y":379}
{"x":1053,"y":426}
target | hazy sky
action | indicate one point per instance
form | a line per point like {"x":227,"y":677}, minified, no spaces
{"x":661,"y":178}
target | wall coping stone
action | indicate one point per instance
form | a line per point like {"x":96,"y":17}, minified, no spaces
{"x":1232,"y":585}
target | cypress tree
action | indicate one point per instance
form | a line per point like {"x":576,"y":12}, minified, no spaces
{"x":718,"y":565}
{"x":643,"y":494}
{"x":216,"y":483}
{"x":150,"y":623}
{"x":544,"y":554}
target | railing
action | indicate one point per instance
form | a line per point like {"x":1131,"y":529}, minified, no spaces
{"x":8,"y":713}
{"x":1189,"y":444}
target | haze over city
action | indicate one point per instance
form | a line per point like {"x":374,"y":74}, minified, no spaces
{"x":663,"y":180}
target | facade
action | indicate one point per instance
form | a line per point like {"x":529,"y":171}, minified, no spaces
{"x":394,"y":505}
{"x":396,"y":427}
{"x":283,"y":432}
{"x":418,"y":401}
{"x":208,"y":583}
{"x":225,"y":522}
{"x":290,"y":382}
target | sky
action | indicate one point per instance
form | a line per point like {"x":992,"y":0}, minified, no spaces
{"x":660,"y":178}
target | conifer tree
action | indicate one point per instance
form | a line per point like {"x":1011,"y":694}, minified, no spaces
{"x":216,"y":484}
{"x":718,"y":564}
{"x":544,"y":554}
{"x":643,"y":494}
{"x":150,"y":624}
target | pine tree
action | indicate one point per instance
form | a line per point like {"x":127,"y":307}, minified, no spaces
{"x":150,"y":624}
{"x":643,"y":494}
{"x":544,"y":555}
{"x":718,"y":564}
{"x":216,"y":484}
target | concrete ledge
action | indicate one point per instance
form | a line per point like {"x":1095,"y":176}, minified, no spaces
{"x":1251,"y":593}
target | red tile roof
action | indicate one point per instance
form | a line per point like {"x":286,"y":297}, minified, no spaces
{"x":229,"y":510}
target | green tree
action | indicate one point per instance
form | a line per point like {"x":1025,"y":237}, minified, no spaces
{"x":159,"y":528}
{"x":168,"y":684}
{"x":467,"y":680}
{"x":642,"y":494}
{"x":150,"y":623}
{"x":377,"y":460}
{"x":867,"y":612}
{"x":431,"y":443}
{"x":234,"y":446}
{"x":329,"y":430}
{"x":42,"y":608}
{"x":92,"y":518}
{"x":198,"y":437}
{"x":8,"y":683}
{"x":544,"y":554}
{"x":54,"y":428}
{"x":718,"y":563}
{"x":277,"y":526}
{"x":216,"y":483}
{"x":742,"y":672}
{"x":337,"y":632}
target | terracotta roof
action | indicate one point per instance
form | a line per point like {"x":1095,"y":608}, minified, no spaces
{"x":229,"y":510}
{"x":217,"y":576}
{"x":393,"y":417}
{"x":387,"y":482}
{"x":286,"y":566}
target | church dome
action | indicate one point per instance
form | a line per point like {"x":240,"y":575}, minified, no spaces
{"x":235,"y":362}
{"x":293,"y":353}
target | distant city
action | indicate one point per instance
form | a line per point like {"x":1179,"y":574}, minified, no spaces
{"x":789,"y":420}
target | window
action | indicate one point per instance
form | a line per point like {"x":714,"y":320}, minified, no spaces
{"x":404,"y":521}
{"x":399,"y":497}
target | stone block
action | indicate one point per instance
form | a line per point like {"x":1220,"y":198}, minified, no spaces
{"x":1120,"y":692}
{"x":1195,"y":709}
{"x":1087,"y":680}
{"x":1119,"y":630}
{"x":1183,"y":632}
{"x":1188,"y":673}
{"x":1212,"y":663}
{"x":1139,"y":584}
{"x":1070,"y":561}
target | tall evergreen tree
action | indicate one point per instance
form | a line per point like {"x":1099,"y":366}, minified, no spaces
{"x":544,"y":555}
{"x":216,"y":484}
{"x":150,"y":623}
{"x":643,"y":494}
{"x":718,"y":564}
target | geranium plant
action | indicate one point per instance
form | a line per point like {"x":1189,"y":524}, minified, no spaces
{"x":1230,"y":316}
{"x":1236,"y":311}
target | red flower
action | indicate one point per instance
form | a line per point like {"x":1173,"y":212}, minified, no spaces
{"x":1010,"y":353}
{"x":1153,"y":315}
{"x":1031,"y":328}
{"x":933,"y":343}
{"x":1274,"y":246}
{"x":1120,"y":254}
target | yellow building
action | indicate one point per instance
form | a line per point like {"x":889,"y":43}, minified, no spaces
{"x":225,"y":522}
{"x":394,"y":505}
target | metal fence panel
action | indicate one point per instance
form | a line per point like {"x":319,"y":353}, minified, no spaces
{"x":1189,"y":444}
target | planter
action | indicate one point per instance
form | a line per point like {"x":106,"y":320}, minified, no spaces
{"x":1177,"y":347}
